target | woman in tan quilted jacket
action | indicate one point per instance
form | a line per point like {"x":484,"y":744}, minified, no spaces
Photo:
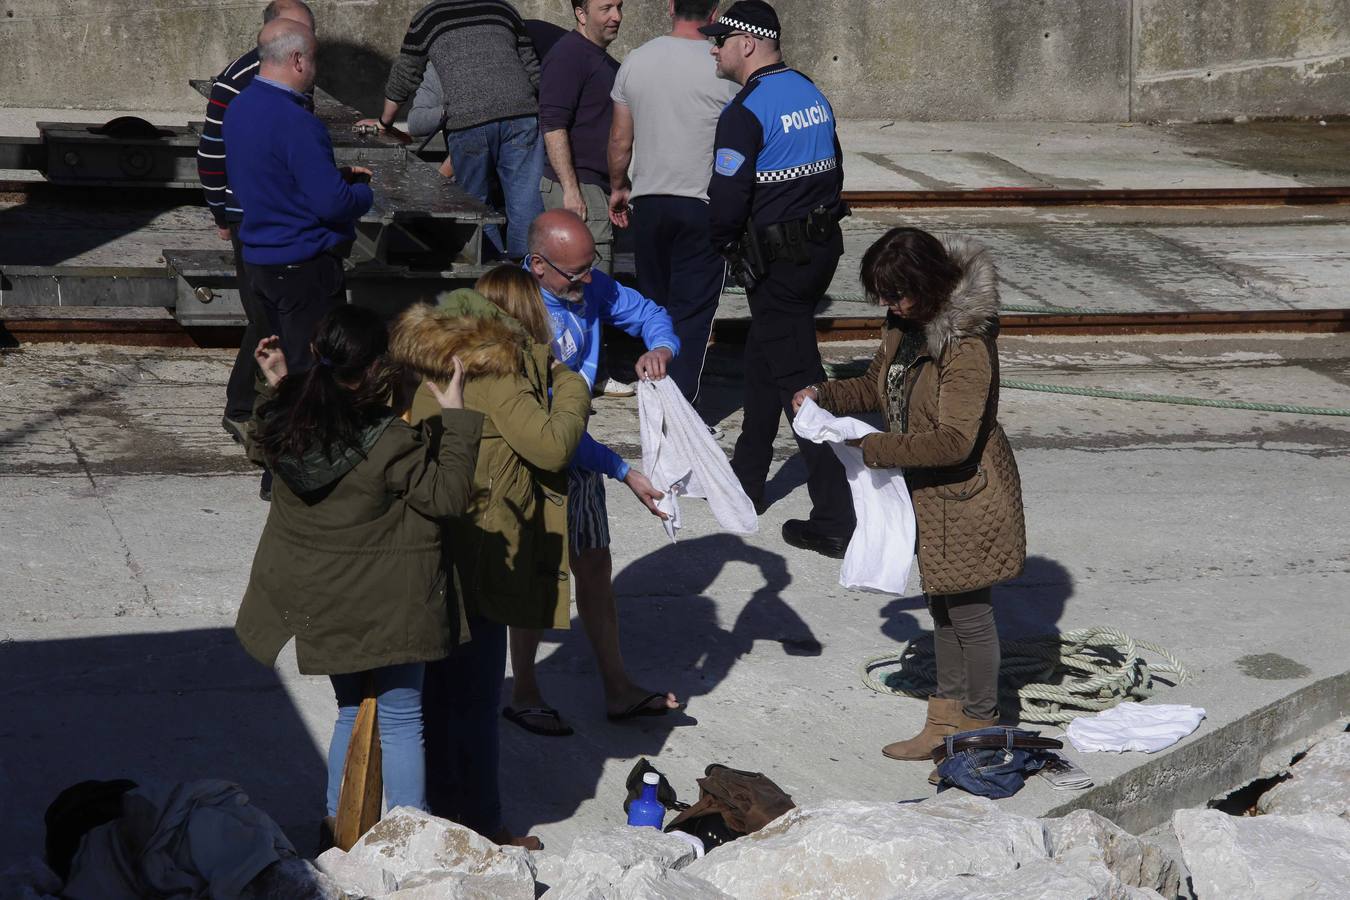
{"x":935,"y":377}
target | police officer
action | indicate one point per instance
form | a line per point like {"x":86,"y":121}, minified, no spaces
{"x":774,"y":206}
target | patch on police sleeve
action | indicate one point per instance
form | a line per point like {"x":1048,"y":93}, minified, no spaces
{"x":728,"y":161}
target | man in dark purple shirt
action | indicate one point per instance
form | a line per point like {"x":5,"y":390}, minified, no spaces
{"x":574,"y":115}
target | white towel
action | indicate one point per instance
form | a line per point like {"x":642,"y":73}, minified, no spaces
{"x":1134,"y":726}
{"x":881,"y":552}
{"x":681,"y":458}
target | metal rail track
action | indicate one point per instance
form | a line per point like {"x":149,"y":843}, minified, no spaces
{"x":1017,"y":196}
{"x":135,"y":328}
{"x":163,"y":331}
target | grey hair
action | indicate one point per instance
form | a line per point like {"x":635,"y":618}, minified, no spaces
{"x":279,"y":47}
{"x":277,"y":7}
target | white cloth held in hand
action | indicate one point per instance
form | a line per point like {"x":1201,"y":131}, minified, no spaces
{"x":881,"y":552}
{"x":1134,"y":726}
{"x":682,"y":459}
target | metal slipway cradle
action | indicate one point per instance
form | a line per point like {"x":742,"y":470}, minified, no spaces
{"x":421,"y":231}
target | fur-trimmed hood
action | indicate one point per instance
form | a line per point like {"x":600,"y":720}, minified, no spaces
{"x":972,"y":309}
{"x":463,"y":323}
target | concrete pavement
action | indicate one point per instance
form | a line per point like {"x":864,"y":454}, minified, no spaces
{"x":131,"y":521}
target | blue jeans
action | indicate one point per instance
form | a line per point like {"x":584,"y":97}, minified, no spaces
{"x":463,"y":713}
{"x":513,"y":151}
{"x":398,"y":690}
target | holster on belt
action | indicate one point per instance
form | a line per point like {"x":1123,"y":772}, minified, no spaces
{"x":753,"y":258}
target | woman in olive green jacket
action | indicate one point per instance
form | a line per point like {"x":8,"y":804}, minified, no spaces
{"x":349,"y":562}
{"x":935,"y":377}
{"x":510,"y":551}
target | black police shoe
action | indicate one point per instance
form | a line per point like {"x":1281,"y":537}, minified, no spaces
{"x":801,"y":534}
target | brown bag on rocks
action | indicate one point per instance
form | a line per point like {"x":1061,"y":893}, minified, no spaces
{"x":731,"y":804}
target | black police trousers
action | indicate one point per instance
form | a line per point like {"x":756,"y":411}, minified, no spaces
{"x":679,"y":269}
{"x":781,"y":358}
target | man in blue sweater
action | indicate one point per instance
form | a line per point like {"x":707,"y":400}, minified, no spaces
{"x":211,"y":156}
{"x":581,"y":299}
{"x":299,"y":207}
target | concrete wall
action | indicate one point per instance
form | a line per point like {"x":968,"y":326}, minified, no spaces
{"x":1085,"y":60}
{"x":1214,"y":59}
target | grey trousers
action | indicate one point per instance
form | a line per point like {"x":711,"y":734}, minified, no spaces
{"x":968,"y":656}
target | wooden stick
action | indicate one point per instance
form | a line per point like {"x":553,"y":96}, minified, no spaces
{"x":362,"y":797}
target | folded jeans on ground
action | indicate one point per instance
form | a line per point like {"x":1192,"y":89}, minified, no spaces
{"x":991,"y":771}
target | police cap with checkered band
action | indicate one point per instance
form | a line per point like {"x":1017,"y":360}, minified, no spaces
{"x":754,"y":17}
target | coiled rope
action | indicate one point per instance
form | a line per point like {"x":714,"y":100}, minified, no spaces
{"x":853,"y":370}
{"x":1051,"y":679}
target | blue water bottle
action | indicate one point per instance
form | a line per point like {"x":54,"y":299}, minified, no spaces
{"x":647,"y":810}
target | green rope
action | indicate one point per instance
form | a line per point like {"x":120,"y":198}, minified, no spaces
{"x":855,"y":369}
{"x":1051,"y":679}
{"x":1181,"y":401}
{"x":1005,"y":307}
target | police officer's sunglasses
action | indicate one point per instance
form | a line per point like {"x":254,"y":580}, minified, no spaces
{"x":719,"y":39}
{"x":573,"y":278}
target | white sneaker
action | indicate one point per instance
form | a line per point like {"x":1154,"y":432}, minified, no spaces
{"x":612,"y":387}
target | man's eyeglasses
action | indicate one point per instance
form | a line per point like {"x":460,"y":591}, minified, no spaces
{"x":573,"y":278}
{"x":719,"y":39}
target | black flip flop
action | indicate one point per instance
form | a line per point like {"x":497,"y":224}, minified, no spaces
{"x":641,"y":708}
{"x":521,"y":716}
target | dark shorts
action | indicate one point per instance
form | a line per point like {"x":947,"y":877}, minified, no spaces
{"x":587,"y":516}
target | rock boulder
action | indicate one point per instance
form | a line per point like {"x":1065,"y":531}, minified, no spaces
{"x":1285,"y":857}
{"x":1084,"y":836}
{"x":410,"y":849}
{"x":647,"y":880}
{"x":1045,"y":879}
{"x":1319,"y":782}
{"x":611,"y":852}
{"x":867,"y":850}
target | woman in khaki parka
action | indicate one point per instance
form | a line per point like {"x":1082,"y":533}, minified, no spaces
{"x":509,"y":553}
{"x":349,"y":562}
{"x":935,"y":377}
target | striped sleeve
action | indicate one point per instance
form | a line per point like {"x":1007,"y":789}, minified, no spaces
{"x":211,"y":148}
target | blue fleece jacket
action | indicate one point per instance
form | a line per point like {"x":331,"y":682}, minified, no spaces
{"x":576,"y":342}
{"x":280,"y":166}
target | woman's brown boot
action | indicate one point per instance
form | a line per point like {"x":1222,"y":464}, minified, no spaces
{"x":943,"y":718}
{"x":966,"y":723}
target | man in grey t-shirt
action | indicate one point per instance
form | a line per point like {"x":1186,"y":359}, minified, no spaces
{"x":667,"y":98}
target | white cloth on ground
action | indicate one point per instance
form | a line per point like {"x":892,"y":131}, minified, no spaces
{"x":881,"y":552}
{"x":682,"y":459}
{"x":1134,"y":726}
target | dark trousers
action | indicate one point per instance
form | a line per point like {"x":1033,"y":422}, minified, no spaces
{"x":965,"y":641}
{"x":239,"y":391}
{"x":295,"y":297}
{"x":461,"y":704}
{"x":781,"y":358}
{"x":676,"y":267}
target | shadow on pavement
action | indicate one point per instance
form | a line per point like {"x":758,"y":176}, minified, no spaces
{"x":169,"y":706}
{"x":673,"y":640}
{"x":1027,"y":607}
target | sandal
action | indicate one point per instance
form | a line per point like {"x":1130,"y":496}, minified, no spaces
{"x":641,"y":708}
{"x":522,"y":718}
